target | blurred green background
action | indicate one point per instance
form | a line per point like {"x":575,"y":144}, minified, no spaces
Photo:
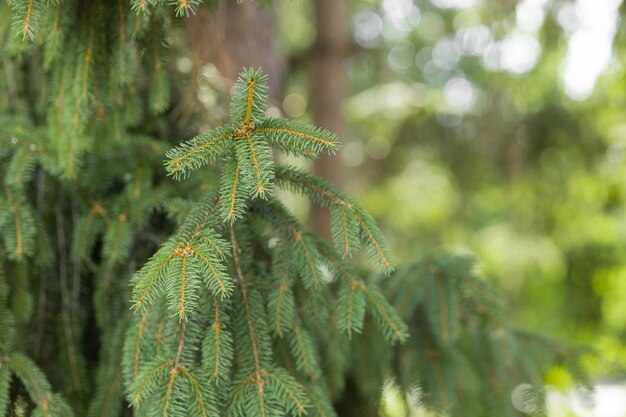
{"x":496,"y":128}
{"x":487,"y":127}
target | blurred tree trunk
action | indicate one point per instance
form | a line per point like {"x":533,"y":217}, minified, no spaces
{"x":331,"y":47}
{"x":237,"y":35}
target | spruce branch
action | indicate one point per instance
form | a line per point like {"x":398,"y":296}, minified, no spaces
{"x":352,"y":226}
{"x":217,"y":346}
{"x":27,"y":16}
{"x":259,"y":303}
{"x":246,"y":146}
{"x":5,"y":386}
{"x":248,"y":313}
{"x":185,"y":7}
{"x":179,"y":268}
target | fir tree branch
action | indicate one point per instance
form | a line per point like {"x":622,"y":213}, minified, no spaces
{"x":146,"y":379}
{"x":249,"y":99}
{"x":217,"y":325}
{"x":176,"y":367}
{"x":320,"y":140}
{"x":152,"y":279}
{"x":140,"y":6}
{"x":232,"y":192}
{"x":304,"y":353}
{"x":257,"y":164}
{"x":357,"y":219}
{"x":281,"y":302}
{"x":19,"y":239}
{"x":249,"y":320}
{"x":319,"y":401}
{"x":251,"y":83}
{"x":224,"y":285}
{"x":5,"y":386}
{"x":351,"y":307}
{"x":182,"y":311}
{"x":281,"y":379}
{"x":375,"y":239}
{"x":394,"y":329}
{"x":197,"y":389}
{"x":142,"y":326}
{"x":433,"y":359}
{"x":297,"y":134}
{"x":108,"y":402}
{"x":217,"y":347}
{"x":185,"y":7}
{"x":26,"y":30}
{"x":198,"y":151}
{"x":31,"y":376}
{"x":211,"y":242}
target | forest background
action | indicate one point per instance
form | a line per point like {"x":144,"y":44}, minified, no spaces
{"x":494,"y":128}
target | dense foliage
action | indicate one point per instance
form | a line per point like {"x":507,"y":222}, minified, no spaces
{"x":79,"y":204}
{"x":235,"y":308}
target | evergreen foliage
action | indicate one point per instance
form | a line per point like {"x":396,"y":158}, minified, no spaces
{"x":257,"y":296}
{"x":464,"y":357}
{"x":236,"y":309}
{"x":214,"y":304}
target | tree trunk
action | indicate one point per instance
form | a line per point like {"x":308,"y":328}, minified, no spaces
{"x":328,"y":91}
{"x":238,"y":35}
